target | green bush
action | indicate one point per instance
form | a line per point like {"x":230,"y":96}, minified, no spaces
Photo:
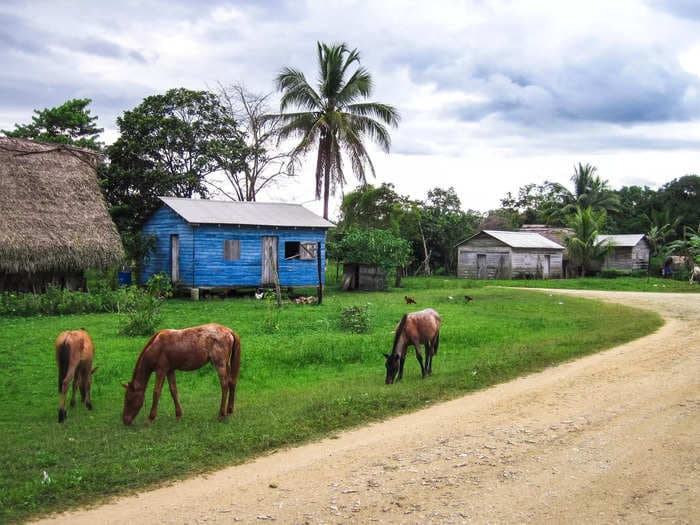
{"x":355,"y":319}
{"x":141,"y":313}
{"x":611,"y":273}
{"x":60,"y":302}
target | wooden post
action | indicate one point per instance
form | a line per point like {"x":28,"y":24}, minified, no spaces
{"x":320,"y":272}
{"x":278,"y":292}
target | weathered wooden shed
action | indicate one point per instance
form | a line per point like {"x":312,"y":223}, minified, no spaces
{"x":227,"y":244}
{"x":54,"y":222}
{"x":629,"y":252}
{"x":492,"y":254}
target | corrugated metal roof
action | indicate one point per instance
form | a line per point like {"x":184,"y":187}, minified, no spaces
{"x":200,"y":211}
{"x":523,"y":239}
{"x":626,"y":240}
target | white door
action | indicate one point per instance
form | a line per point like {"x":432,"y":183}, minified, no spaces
{"x":174,"y":258}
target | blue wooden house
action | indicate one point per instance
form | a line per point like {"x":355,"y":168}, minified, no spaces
{"x":212,"y":244}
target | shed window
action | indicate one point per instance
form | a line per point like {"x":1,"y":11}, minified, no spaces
{"x":232,"y":250}
{"x":305,"y":251}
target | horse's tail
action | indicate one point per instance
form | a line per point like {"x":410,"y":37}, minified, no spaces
{"x":235,"y":359}
{"x":63,"y":358}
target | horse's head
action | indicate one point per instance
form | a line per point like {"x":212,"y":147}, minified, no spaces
{"x":133,"y":401}
{"x":392,"y":367}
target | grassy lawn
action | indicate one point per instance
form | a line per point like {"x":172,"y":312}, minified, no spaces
{"x":301,"y":378}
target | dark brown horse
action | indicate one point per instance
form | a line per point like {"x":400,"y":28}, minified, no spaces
{"x":188,"y":349}
{"x":414,"y":329}
{"x":74,"y":355}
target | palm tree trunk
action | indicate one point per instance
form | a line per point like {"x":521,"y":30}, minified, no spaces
{"x":326,"y":189}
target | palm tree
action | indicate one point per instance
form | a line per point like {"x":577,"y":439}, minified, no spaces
{"x":583,"y":245}
{"x":590,"y":190}
{"x":333,"y":117}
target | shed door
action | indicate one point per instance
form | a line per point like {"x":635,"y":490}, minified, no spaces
{"x":481,"y":266}
{"x":269,"y":259}
{"x":174,"y":258}
{"x":546,"y":265}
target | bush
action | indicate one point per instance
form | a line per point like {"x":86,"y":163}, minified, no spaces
{"x":142,"y":313}
{"x":60,"y":302}
{"x":355,"y":319}
{"x":611,"y":273}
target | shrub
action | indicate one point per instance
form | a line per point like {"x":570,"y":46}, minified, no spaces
{"x":142,"y":313}
{"x":160,"y":285}
{"x":60,"y":302}
{"x":355,"y":319}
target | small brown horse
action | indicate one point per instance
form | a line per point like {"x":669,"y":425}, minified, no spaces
{"x":187,"y":349}
{"x":414,"y":329}
{"x":74,"y":355}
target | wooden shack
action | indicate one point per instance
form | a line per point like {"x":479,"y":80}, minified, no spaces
{"x":629,"y":252}
{"x":493,"y":254}
{"x":227,"y":244}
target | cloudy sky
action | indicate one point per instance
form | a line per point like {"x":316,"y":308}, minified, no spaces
{"x":492,"y":94}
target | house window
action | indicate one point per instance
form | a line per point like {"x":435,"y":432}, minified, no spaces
{"x":232,"y":250}
{"x":305,"y":251}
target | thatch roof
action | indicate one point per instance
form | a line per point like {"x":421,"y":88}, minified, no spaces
{"x":52,"y":213}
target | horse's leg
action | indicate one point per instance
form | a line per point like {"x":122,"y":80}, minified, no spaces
{"x":419,"y":356}
{"x":428,"y":359}
{"x":222,"y":370}
{"x":87,"y":377}
{"x":232,"y":383}
{"x":157,"y":388}
{"x":173,"y":392}
{"x":64,"y":392}
{"x":401,"y":362}
{"x":76,"y":379}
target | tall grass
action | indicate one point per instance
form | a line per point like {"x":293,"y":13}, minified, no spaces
{"x":305,"y":379}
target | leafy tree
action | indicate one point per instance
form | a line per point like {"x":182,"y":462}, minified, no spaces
{"x":261,"y":165}
{"x":168,"y":146}
{"x":371,"y":246}
{"x":373,"y":207}
{"x":682,"y":197}
{"x":636,"y":203}
{"x":332,"y":118}
{"x":69,"y":123}
{"x":687,"y":246}
{"x":444,"y":225}
{"x":583,"y":245}
{"x":537,"y":204}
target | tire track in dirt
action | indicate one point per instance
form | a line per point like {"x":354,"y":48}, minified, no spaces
{"x":609,"y":438}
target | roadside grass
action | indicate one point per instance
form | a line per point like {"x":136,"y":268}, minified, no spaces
{"x":301,"y":378}
{"x":622,"y":284}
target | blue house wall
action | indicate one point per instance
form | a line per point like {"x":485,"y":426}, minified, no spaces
{"x":201,"y":254}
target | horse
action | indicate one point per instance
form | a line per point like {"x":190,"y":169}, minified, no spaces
{"x":186,"y":349}
{"x":414,"y":329}
{"x":695,"y":275}
{"x":74,"y":355}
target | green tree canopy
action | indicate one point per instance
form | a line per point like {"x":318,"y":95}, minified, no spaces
{"x":69,"y":123}
{"x":168,"y":145}
{"x":373,"y":246}
{"x":583,"y":245}
{"x":334,"y":118}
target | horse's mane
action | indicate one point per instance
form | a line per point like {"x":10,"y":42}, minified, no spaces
{"x":399,"y":330}
{"x":140,"y":358}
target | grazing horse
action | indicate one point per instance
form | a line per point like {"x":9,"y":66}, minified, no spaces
{"x":414,"y":329}
{"x":695,"y":275}
{"x":187,"y":349}
{"x":74,"y":355}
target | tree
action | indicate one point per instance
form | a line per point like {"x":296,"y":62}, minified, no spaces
{"x":682,"y":197}
{"x":590,"y":191}
{"x":373,"y":207}
{"x":261,"y":165}
{"x":332,"y":119}
{"x":372,"y":246}
{"x":168,"y":146}
{"x":537,"y":204}
{"x":69,"y":123}
{"x":583,"y":245}
{"x":636,"y":203}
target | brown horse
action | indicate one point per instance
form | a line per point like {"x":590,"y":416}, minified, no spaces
{"x":414,"y":329}
{"x":187,"y":349}
{"x":74,"y":355}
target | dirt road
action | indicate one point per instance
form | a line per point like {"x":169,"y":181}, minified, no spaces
{"x":610,"y":438}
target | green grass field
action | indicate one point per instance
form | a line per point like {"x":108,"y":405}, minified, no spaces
{"x":298,"y":382}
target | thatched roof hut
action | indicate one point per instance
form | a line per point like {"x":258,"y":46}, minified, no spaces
{"x":53,"y":218}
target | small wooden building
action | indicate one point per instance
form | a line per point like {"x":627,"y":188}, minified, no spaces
{"x":54,"y":222}
{"x":227,"y":244}
{"x":492,"y":254}
{"x":629,"y":252}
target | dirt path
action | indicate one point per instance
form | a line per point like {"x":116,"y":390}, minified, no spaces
{"x":613,"y":437}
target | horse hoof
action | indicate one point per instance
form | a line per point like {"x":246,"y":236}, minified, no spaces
{"x":72,"y":402}
{"x":88,"y":405}
{"x":61,"y":415}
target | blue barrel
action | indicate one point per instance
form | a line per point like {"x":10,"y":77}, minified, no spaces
{"x":124,"y":278}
